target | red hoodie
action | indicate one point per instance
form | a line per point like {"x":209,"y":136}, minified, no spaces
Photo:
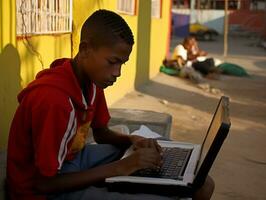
{"x":50,"y":125}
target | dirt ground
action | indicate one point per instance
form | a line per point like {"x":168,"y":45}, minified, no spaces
{"x":240,"y":168}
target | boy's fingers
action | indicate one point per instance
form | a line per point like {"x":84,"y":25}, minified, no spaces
{"x":143,"y":143}
{"x":148,"y":143}
{"x":156,"y":146}
{"x":151,"y":158}
{"x":151,"y":143}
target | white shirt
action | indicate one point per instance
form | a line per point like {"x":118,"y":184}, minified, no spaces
{"x":180,"y":51}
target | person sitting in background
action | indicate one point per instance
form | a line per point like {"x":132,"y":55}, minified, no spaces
{"x":211,"y":67}
{"x":180,"y":57}
{"x":193,"y":50}
{"x":185,"y":58}
{"x":198,"y":59}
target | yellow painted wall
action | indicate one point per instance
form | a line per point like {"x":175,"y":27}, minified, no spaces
{"x":49,"y":47}
{"x":125,"y":83}
{"x":159,"y":38}
{"x":18,"y":65}
{"x":7,"y":23}
{"x":143,"y":43}
{"x":81,"y":10}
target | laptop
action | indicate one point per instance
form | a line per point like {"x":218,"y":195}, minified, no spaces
{"x":185,"y":165}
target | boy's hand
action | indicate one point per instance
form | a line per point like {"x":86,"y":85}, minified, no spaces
{"x":141,"y":142}
{"x":147,"y":154}
{"x":202,"y":53}
{"x":141,"y":159}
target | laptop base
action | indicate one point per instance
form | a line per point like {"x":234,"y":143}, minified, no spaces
{"x":164,"y":190}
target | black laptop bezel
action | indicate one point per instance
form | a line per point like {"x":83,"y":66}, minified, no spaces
{"x":211,"y":155}
{"x":216,"y":145}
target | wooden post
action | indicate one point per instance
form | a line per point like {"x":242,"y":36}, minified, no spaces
{"x":225,"y":28}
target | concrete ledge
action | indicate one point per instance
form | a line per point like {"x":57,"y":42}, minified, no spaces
{"x":156,"y":121}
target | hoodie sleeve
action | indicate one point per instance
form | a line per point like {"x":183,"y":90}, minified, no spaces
{"x":53,"y":127}
{"x":101,"y":113}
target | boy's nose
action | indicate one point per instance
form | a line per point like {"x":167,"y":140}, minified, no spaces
{"x":117,"y":70}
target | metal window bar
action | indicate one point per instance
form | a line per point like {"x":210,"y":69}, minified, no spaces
{"x":126,"y":6}
{"x":43,"y":16}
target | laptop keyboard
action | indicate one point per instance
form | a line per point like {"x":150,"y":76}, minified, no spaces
{"x":175,"y":160}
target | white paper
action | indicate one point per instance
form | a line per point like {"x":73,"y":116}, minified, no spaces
{"x":144,"y":131}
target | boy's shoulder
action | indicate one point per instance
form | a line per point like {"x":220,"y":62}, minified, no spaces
{"x":47,"y":97}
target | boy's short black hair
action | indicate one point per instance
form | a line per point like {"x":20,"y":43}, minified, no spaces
{"x":104,"y":28}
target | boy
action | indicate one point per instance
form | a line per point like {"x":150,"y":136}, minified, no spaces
{"x":47,"y":155}
{"x":181,"y":56}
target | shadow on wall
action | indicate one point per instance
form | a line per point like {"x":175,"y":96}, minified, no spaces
{"x":10,"y":82}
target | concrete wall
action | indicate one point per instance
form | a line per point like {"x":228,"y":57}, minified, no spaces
{"x":254,"y":21}
{"x":251,"y":20}
{"x":211,"y":18}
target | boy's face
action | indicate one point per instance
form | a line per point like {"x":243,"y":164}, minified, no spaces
{"x":188,"y":44}
{"x":103,"y":65}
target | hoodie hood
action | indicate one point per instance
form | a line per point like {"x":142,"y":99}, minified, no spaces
{"x":60,"y":76}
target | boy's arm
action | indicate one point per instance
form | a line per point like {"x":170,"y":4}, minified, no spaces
{"x":74,"y":180}
{"x":106,"y":136}
{"x":192,"y":56}
{"x":139,"y":159}
{"x":180,"y":61}
{"x":202,"y":53}
{"x":78,"y":180}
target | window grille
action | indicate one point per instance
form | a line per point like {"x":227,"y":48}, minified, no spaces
{"x":156,"y":8}
{"x":43,"y":16}
{"x":126,"y":6}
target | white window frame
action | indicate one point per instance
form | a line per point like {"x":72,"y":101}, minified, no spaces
{"x":156,"y":9}
{"x":43,"y":17}
{"x":126,"y":7}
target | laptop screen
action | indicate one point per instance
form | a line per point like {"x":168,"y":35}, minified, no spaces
{"x":220,"y":116}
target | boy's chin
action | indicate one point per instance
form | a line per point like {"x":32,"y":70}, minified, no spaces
{"x":104,"y":84}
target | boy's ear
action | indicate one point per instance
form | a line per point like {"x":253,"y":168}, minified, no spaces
{"x":84,"y":48}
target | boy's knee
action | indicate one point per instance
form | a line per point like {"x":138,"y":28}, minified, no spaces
{"x":206,"y":191}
